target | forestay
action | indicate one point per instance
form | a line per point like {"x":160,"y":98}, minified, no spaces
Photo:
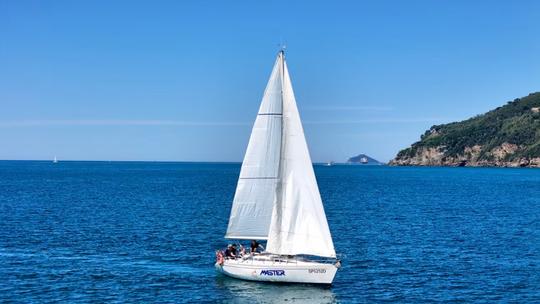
{"x":256,"y":189}
{"x":298,"y":224}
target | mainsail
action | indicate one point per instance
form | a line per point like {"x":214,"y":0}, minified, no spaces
{"x":256,"y":189}
{"x":277,"y":197}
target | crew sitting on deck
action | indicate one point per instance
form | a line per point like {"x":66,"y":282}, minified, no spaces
{"x":230,"y":252}
{"x":255,"y":246}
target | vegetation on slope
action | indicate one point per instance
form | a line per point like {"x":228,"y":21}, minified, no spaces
{"x":517,"y":122}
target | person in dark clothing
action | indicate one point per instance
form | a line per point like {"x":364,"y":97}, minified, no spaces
{"x":255,"y":246}
{"x":230,"y":252}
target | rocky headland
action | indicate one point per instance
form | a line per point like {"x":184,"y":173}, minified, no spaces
{"x":508,"y":136}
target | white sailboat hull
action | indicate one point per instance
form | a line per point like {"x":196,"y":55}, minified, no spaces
{"x":279,"y":269}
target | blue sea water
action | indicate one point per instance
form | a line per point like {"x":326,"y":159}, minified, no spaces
{"x":119,"y":232}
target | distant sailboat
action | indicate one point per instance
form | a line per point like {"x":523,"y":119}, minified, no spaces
{"x":277,"y":198}
{"x":55,"y":160}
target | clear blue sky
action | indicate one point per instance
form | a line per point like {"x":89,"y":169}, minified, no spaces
{"x":173,"y":80}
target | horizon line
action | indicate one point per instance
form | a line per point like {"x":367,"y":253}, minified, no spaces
{"x":150,"y":161}
{"x":158,"y":122}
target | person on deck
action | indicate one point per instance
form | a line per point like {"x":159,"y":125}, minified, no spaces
{"x":230,"y":252}
{"x":255,"y":246}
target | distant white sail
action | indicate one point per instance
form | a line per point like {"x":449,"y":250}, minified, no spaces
{"x":298,"y":224}
{"x":256,"y":190}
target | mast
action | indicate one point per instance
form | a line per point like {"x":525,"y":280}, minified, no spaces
{"x":277,"y":210}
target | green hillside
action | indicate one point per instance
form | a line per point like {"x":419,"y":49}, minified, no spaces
{"x":516,"y":123}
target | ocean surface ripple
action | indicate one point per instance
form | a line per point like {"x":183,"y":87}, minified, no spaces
{"x":133,"y":232}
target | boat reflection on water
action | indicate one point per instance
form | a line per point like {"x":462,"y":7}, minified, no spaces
{"x":256,"y":292}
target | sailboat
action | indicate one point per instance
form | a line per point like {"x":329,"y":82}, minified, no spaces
{"x":277,"y":198}
{"x":55,"y":160}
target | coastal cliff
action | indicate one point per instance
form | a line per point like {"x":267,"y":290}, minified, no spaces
{"x":508,"y":136}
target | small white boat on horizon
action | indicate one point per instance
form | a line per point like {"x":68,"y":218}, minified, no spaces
{"x":55,"y":160}
{"x":277,"y":198}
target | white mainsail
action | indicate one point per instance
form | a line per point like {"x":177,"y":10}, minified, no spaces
{"x":277,"y":197}
{"x":256,"y":189}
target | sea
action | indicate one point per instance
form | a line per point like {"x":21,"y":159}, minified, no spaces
{"x":146,"y":232}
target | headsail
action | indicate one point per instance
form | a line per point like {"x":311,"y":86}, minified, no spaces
{"x":256,"y":189}
{"x":298,"y":223}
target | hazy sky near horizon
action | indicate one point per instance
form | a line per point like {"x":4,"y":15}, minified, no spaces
{"x":182,"y":80}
